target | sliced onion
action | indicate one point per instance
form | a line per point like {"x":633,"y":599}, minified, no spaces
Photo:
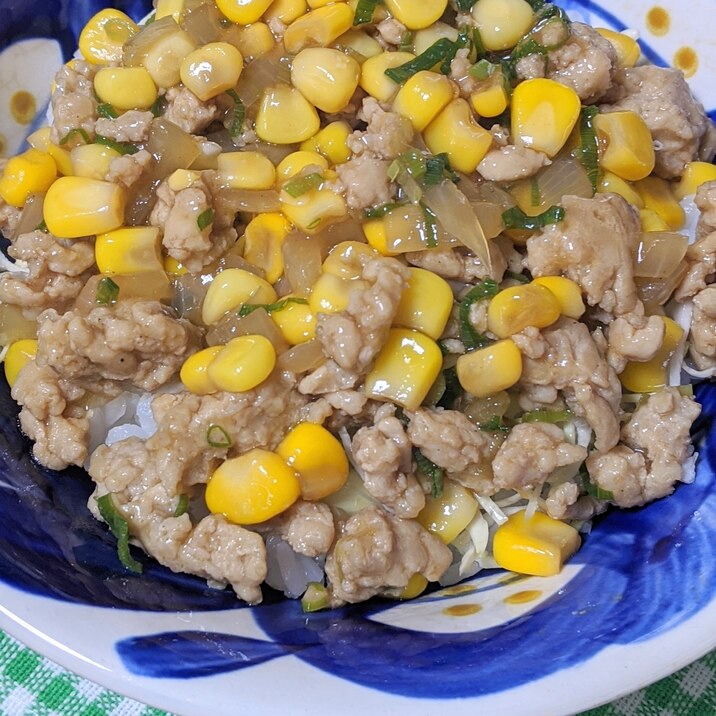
{"x":660,"y":254}
{"x":275,"y":152}
{"x":302,"y":260}
{"x":236,"y":200}
{"x":202,"y":21}
{"x":406,"y":231}
{"x":655,"y":292}
{"x":303,"y":357}
{"x":31,"y":216}
{"x":149,"y":285}
{"x":454,"y":212}
{"x":564,"y":177}
{"x":489,"y":215}
{"x":139,"y":46}
{"x":488,"y":192}
{"x":333,"y":234}
{"x":14,"y":326}
{"x":257,"y":323}
{"x":263,"y":72}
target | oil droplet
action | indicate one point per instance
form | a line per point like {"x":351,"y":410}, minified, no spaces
{"x":462,"y":610}
{"x":3,"y":145}
{"x":460,"y":589}
{"x":687,"y":61}
{"x":658,"y":21}
{"x":23,"y":107}
{"x":528,"y":595}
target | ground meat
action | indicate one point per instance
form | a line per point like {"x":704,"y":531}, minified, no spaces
{"x":57,"y":272}
{"x":352,"y":339}
{"x":187,"y":111}
{"x":376,"y":552}
{"x":705,"y":200}
{"x":634,"y":337}
{"x":308,"y":528}
{"x":510,"y":163}
{"x":593,"y":245}
{"x":364,"y":181}
{"x":135,"y":340}
{"x":678,"y":124}
{"x":565,"y":503}
{"x":566,"y":359}
{"x":656,"y":445}
{"x":387,"y":135}
{"x":531,"y":453}
{"x":9,"y":218}
{"x":57,"y":427}
{"x":132,"y":126}
{"x":701,"y":255}
{"x":703,"y":329}
{"x":459,"y":264}
{"x":128,"y":169}
{"x":177,"y":214}
{"x":391,"y":32}
{"x":383,"y":455}
{"x":74,"y":103}
{"x":586,"y":63}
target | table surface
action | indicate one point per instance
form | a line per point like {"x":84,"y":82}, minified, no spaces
{"x":30,"y":685}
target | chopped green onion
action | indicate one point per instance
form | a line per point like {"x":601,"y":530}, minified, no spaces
{"x":431,"y":227}
{"x":314,"y":224}
{"x":443,"y":348}
{"x":121,"y":147}
{"x":437,"y":52}
{"x":217,"y":437}
{"x":150,"y":19}
{"x":515,"y":218}
{"x":378,"y":212}
{"x":42,"y":226}
{"x":587,"y":153}
{"x":464,"y":5}
{"x":160,"y":104}
{"x":73,"y":133}
{"x":487,"y":288}
{"x":482,"y":69}
{"x":478,"y":44}
{"x":686,"y":390}
{"x":547,"y":416}
{"x":536,"y":4}
{"x":315,"y":598}
{"x":517,"y":277}
{"x":205,"y":219}
{"x":106,"y":111}
{"x":107,"y":292}
{"x":437,"y":168}
{"x":249,"y":308}
{"x":535,"y":194}
{"x":364,"y":11}
{"x":182,"y":505}
{"x":453,"y":389}
{"x":302,"y":185}
{"x":433,"y":472}
{"x":494,"y":425}
{"x":120,"y":529}
{"x":237,"y":123}
{"x":406,"y":42}
{"x":595,"y":491}
{"x":526,"y":47}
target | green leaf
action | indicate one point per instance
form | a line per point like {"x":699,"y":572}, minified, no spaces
{"x":453,"y":389}
{"x":364,"y":11}
{"x":482,"y":69}
{"x":182,"y":505}
{"x":302,"y":185}
{"x":515,"y":218}
{"x":237,"y":123}
{"x":437,"y":52}
{"x":433,"y":472}
{"x":121,"y":147}
{"x":406,"y":42}
{"x":73,"y":133}
{"x":217,"y":437}
{"x":120,"y":529}
{"x":106,"y":111}
{"x":107,"y":292}
{"x":486,"y":289}
{"x":438,"y":168}
{"x":205,"y":219}
{"x":270,"y":308}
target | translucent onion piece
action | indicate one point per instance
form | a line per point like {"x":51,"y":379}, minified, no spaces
{"x":406,"y":231}
{"x":236,"y":200}
{"x":659,"y":254}
{"x":303,"y":357}
{"x":302,"y":259}
{"x":454,"y":212}
{"x":263,"y":72}
{"x":655,"y":292}
{"x":138,"y":46}
{"x":150,"y":285}
{"x":202,"y":21}
{"x":487,"y":192}
{"x":31,"y":216}
{"x":482,"y":410}
{"x":14,"y":326}
{"x":489,"y":215}
{"x":349,"y":230}
{"x":257,"y":323}
{"x":275,"y":152}
{"x":564,"y":177}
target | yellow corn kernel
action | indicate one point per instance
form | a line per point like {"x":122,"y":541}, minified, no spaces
{"x":76,"y":207}
{"x":455,"y":132}
{"x":242,"y":364}
{"x":416,"y":585}
{"x":567,"y":292}
{"x":538,"y":546}
{"x":296,"y":162}
{"x":423,"y":97}
{"x":92,"y":160}
{"x":263,"y":240}
{"x":182,"y":179}
{"x":515,"y":308}
{"x":627,"y":48}
{"x":313,"y":211}
{"x":173,"y":267}
{"x":426,"y":303}
{"x":405,"y":369}
{"x":657,"y":195}
{"x":626,"y":147}
{"x":41,"y":141}
{"x":102,"y":39}
{"x":193,"y":373}
{"x":490,"y":102}
{"x":252,"y":488}
{"x":313,"y":4}
{"x":327,"y":78}
{"x":331,"y":142}
{"x":346,"y":260}
{"x":296,"y":321}
{"x":163,"y":58}
{"x":28,"y":173}
{"x":169,"y":8}
{"x":285,"y":116}
{"x":425,"y":38}
{"x":695,"y":174}
{"x":448,"y":515}
{"x":136,"y":249}
{"x":651,"y":375}
{"x":286,"y":10}
{"x":125,"y":87}
{"x":232,"y":288}
{"x":373,"y":78}
{"x":243,"y":12}
{"x":651,"y":221}
{"x":18,"y":355}
{"x":416,"y":14}
{"x":318,"y":28}
{"x":254,"y":40}
{"x":212,"y":69}
{"x":330,"y":294}
{"x":544,"y":113}
{"x":246,"y":170}
{"x":318,"y":459}
{"x":489,"y":370}
{"x":609,"y":182}
{"x":377,"y":236}
{"x":360,"y":43}
{"x":502,"y":23}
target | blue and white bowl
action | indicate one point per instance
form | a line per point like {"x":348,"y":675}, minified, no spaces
{"x":635,"y":604}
